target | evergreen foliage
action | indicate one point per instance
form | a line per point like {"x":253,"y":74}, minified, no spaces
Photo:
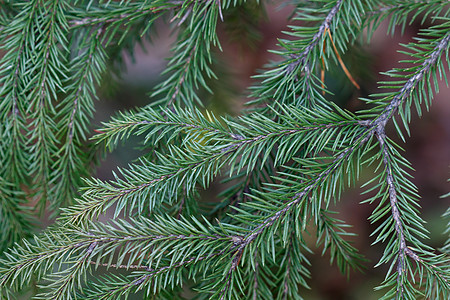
{"x":286,"y":160}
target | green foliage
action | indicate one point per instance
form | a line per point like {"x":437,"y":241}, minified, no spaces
{"x":286,"y":160}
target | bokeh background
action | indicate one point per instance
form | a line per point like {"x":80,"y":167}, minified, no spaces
{"x":428,"y":147}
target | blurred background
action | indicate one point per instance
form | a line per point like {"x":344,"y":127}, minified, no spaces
{"x":428,"y":147}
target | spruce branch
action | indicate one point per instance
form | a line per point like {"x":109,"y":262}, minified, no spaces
{"x":295,"y":80}
{"x":116,"y":266}
{"x":301,"y":196}
{"x":117,"y":16}
{"x":288,"y":161}
{"x":13,"y":92}
{"x":282,"y":77}
{"x":403,"y":219}
{"x":100,"y":242}
{"x":15,"y":154}
{"x":442,"y":46}
{"x":374,"y":127}
{"x":378,"y":125}
{"x":301,"y":58}
{"x":62,"y":283}
{"x":405,"y":12}
{"x":293,"y":269}
{"x":138,"y":280}
{"x":194,"y":162}
{"x":74,"y":113}
{"x":141,"y":184}
{"x":192,"y":56}
{"x":401,"y":268}
{"x":331,"y":232}
{"x":164,"y":122}
{"x":49,"y":44}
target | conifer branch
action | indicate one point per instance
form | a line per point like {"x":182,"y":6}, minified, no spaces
{"x":13,"y":94}
{"x":192,"y":56}
{"x":300,"y":59}
{"x":120,"y":13}
{"x":74,"y":113}
{"x":401,"y":268}
{"x":149,"y":274}
{"x":330,"y":232}
{"x":431,"y":268}
{"x":105,"y":20}
{"x":85,"y":245}
{"x":376,"y":128}
{"x":180,"y":80}
{"x":435,"y":6}
{"x":299,"y":196}
{"x":85,"y":73}
{"x":116,"y":266}
{"x":399,"y":99}
{"x":47,"y":84}
{"x":166,"y":121}
{"x":62,"y":283}
{"x":166,"y":177}
{"x":288,"y":159}
{"x":294,"y":80}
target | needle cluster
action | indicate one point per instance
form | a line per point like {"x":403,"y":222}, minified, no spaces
{"x":286,"y":159}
